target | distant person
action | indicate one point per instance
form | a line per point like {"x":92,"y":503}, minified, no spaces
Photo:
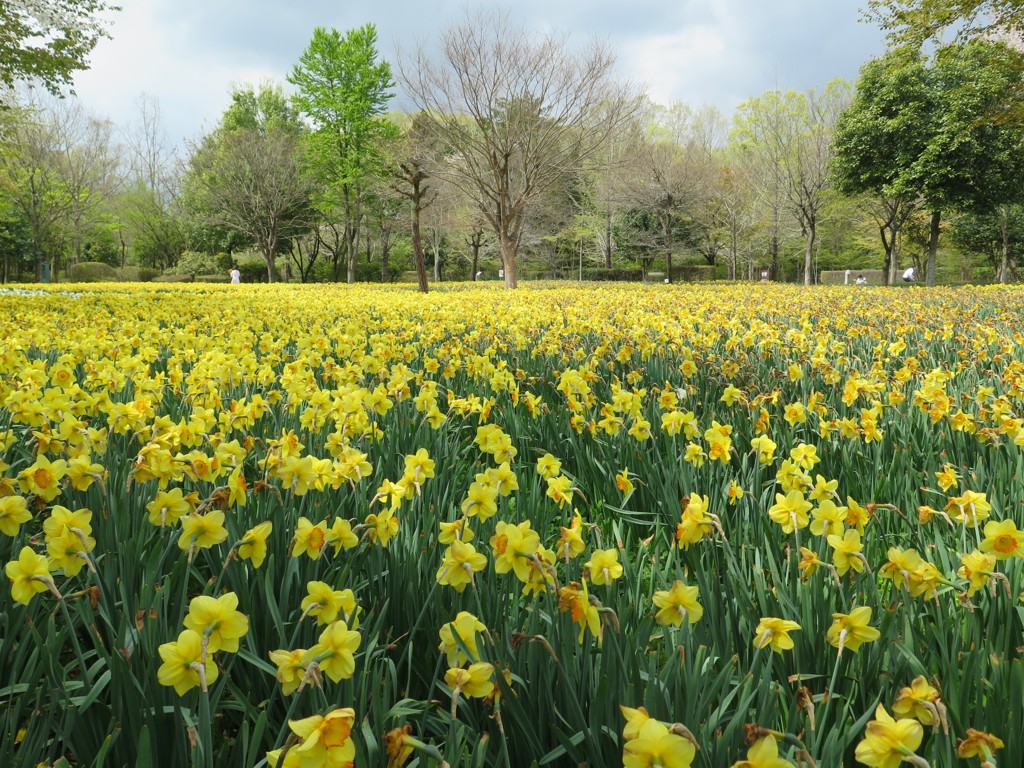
{"x":501,"y":274}
{"x":479,"y":274}
{"x":236,"y":276}
{"x":908,"y":275}
{"x":861,"y":280}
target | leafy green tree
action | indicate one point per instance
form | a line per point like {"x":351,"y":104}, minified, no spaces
{"x":975,"y":159}
{"x":17,"y":255}
{"x":998,"y":235}
{"x":344,"y":88}
{"x":263,"y":110}
{"x":914,"y":22}
{"x":33,"y":180}
{"x":48,"y":40}
{"x":880,"y":136}
{"x":246,"y":176}
{"x":948,"y":131}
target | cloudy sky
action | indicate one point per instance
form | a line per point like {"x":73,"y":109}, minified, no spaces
{"x":188,"y":53}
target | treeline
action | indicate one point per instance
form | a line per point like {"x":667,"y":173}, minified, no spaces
{"x":518,"y":156}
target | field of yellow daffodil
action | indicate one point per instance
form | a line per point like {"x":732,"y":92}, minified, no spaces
{"x":305,"y":526}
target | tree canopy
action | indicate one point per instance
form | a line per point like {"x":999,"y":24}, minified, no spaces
{"x":47,"y":41}
{"x":343,"y":88}
{"x":913,"y":22}
{"x":246,"y":177}
{"x":947,"y":131}
{"x":516,"y":112}
{"x":518,"y":150}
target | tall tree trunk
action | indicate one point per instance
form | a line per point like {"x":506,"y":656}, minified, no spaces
{"x":435,"y":246}
{"x":312,"y":254}
{"x":1004,"y":231}
{"x":474,"y":244}
{"x":897,"y":249}
{"x":887,"y":245}
{"x":385,"y":253}
{"x":733,"y":249}
{"x":933,"y":246}
{"x":666,"y":233}
{"x":608,"y":237}
{"x":268,"y":258}
{"x":507,"y":249}
{"x":811,"y":234}
{"x":775,"y":253}
{"x":352,"y":215}
{"x":417,"y":243}
{"x":350,"y":252}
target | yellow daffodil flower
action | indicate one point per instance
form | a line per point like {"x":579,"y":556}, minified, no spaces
{"x":887,"y":741}
{"x":218,"y":619}
{"x":851,"y":630}
{"x":774,"y":633}
{"x":678,"y":604}
{"x":29,"y":575}
{"x":183,"y":658}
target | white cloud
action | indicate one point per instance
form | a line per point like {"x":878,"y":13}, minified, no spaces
{"x":673,"y":65}
{"x":146,"y":55}
{"x":187,"y":53}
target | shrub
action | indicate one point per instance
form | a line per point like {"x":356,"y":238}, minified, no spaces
{"x":370,"y":272}
{"x":614,"y":273}
{"x":212,"y":279}
{"x":92,"y":272}
{"x":173,"y":279}
{"x":691,"y":273}
{"x":137,"y":274}
{"x":194,"y":263}
{"x":253,"y":272}
{"x":320,"y":273}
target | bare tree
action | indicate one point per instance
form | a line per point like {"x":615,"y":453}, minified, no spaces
{"x":151,"y":186}
{"x":384,"y":204}
{"x":414,"y":161}
{"x":792,"y":132}
{"x":438,"y":223}
{"x":673,"y":165}
{"x":251,"y":183}
{"x":890,"y":214}
{"x":475,"y":240}
{"x":90,"y":162}
{"x":516,"y":112}
{"x":736,"y":203}
{"x":304,"y":251}
{"x":614,"y":180}
{"x":59,"y":167}
{"x":151,"y":158}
